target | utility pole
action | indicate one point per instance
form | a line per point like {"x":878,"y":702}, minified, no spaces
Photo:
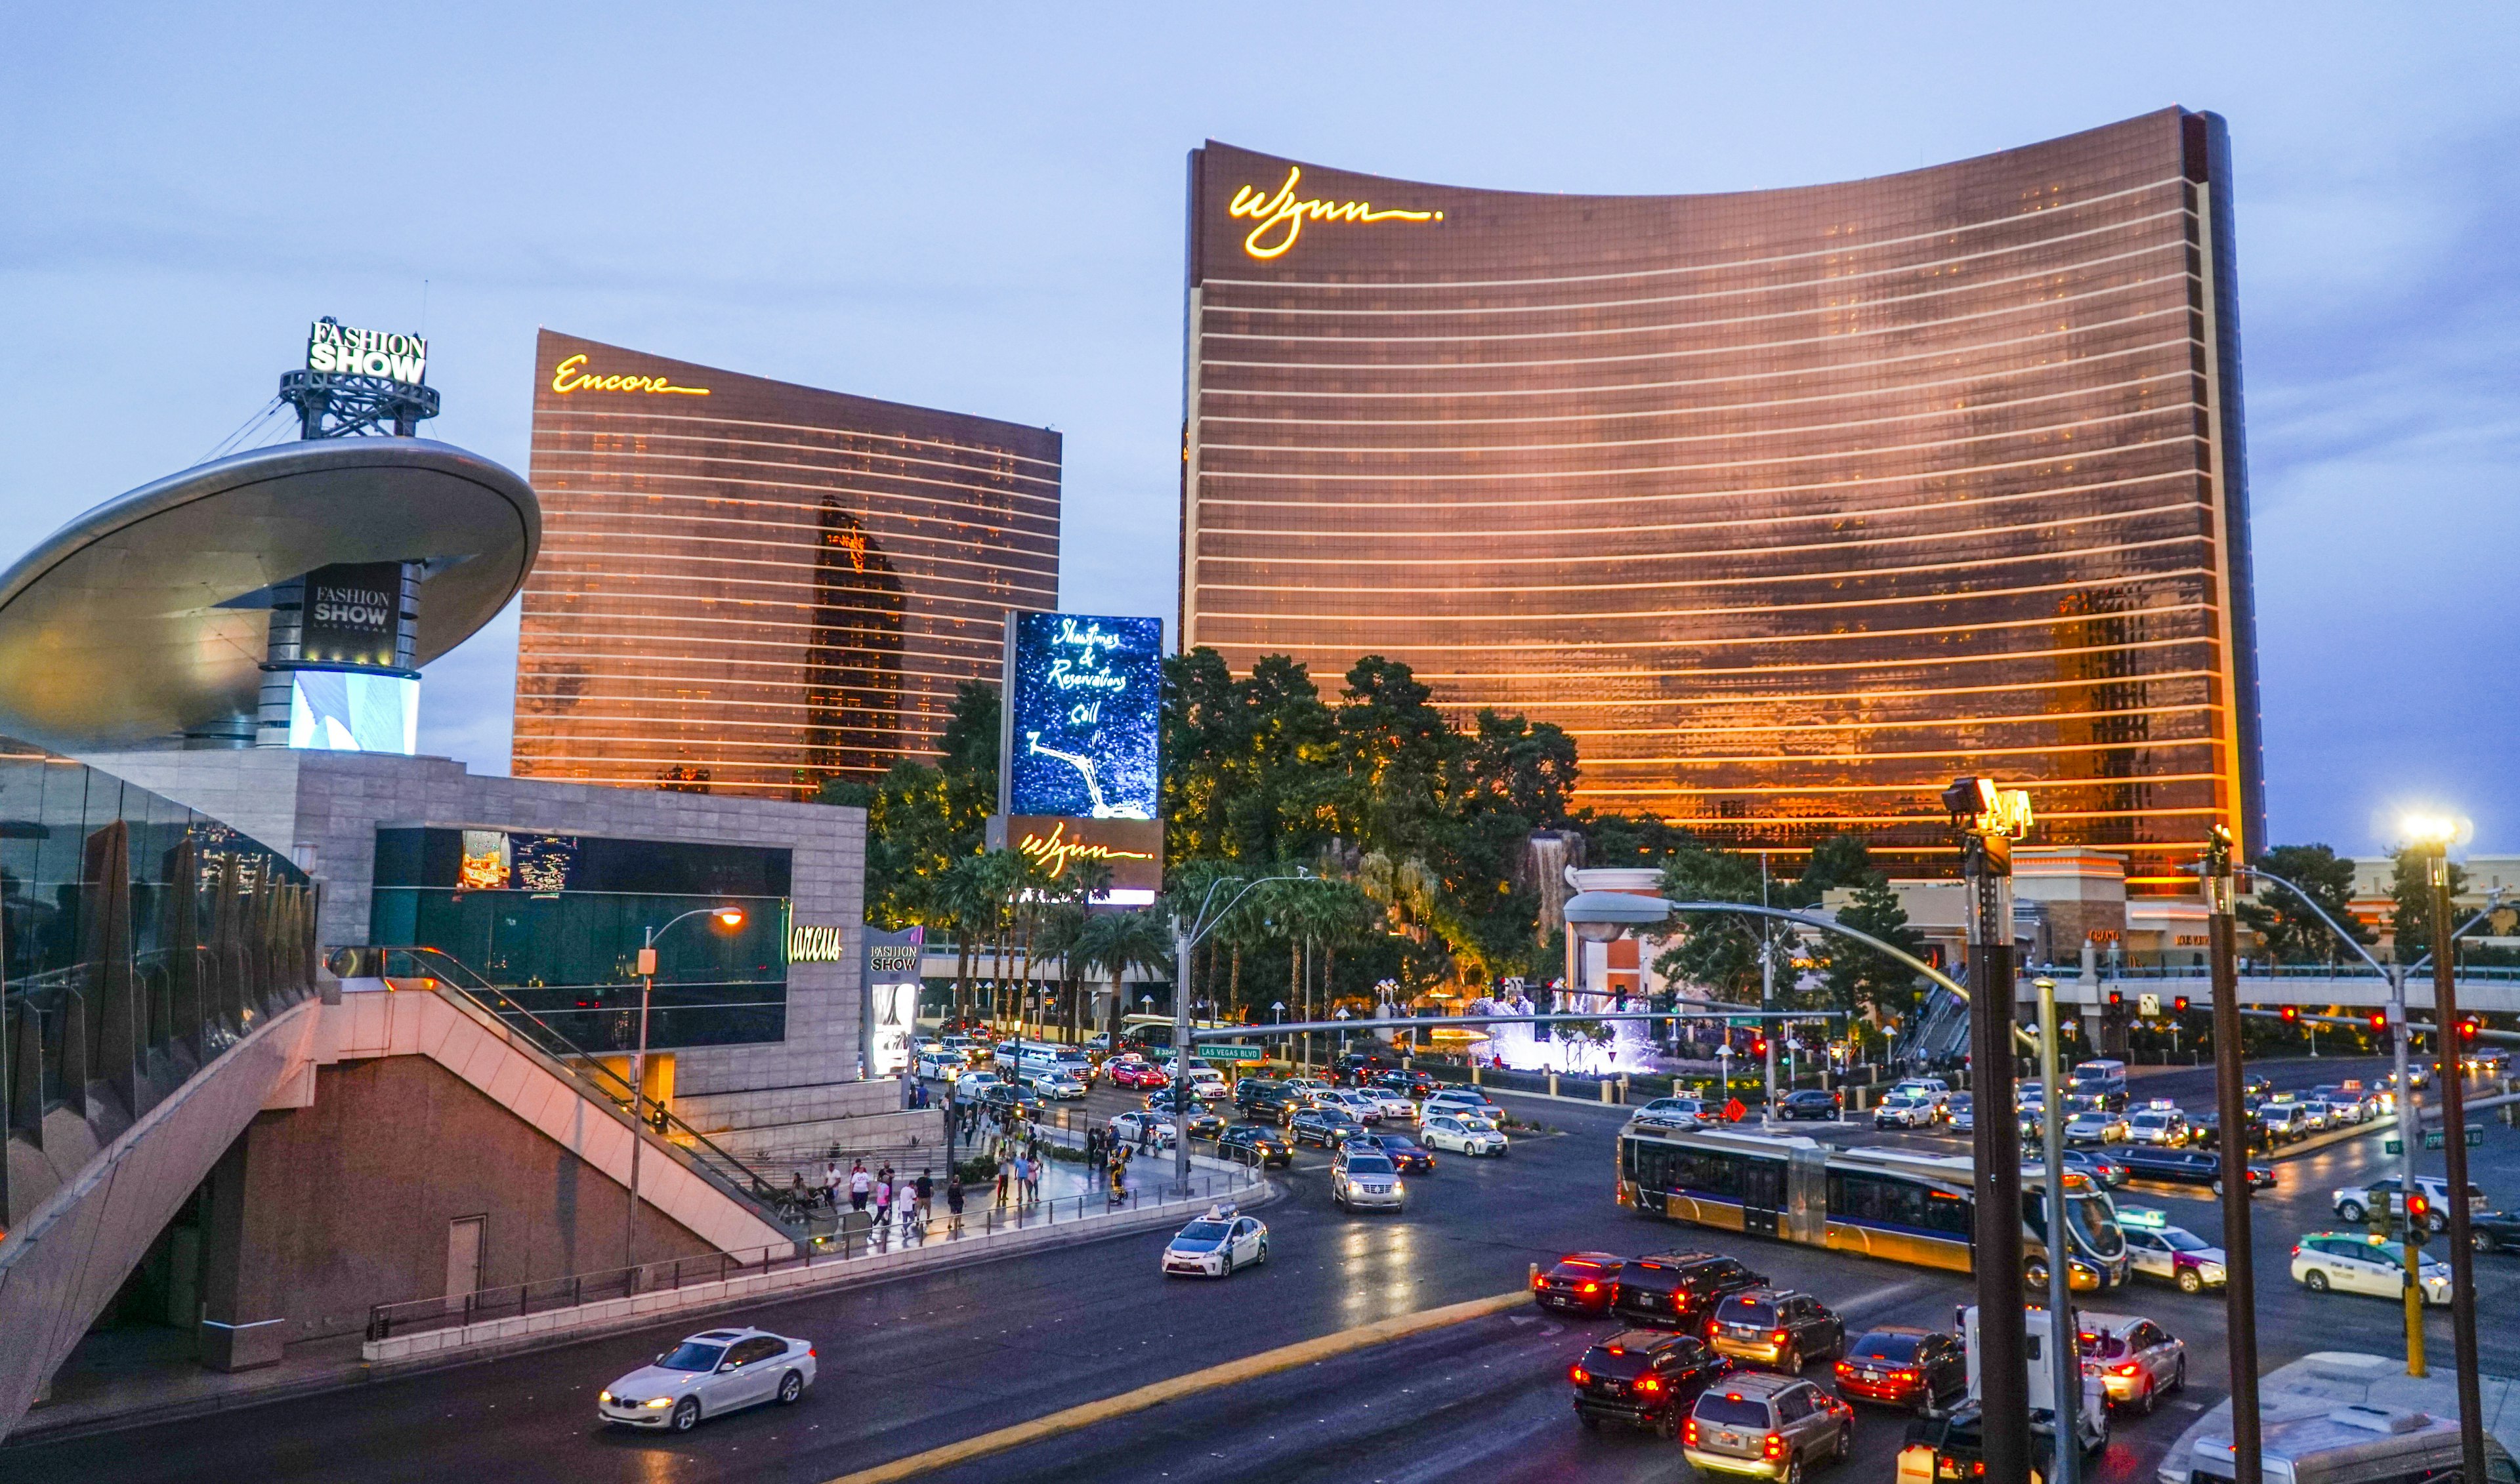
{"x":2240,"y":1290}
{"x":2410,"y":1128}
{"x":1767,"y":1029}
{"x":2454,"y":1074}
{"x":2064,"y":1356}
{"x":1987,"y":820}
{"x":1182,"y":947}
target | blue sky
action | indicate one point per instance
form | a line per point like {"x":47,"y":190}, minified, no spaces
{"x":981,"y":207}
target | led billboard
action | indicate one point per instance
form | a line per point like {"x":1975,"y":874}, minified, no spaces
{"x":347,"y":711}
{"x":1083,"y":705}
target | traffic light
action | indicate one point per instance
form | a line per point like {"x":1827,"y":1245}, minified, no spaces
{"x":2291,"y":1013}
{"x":2467,"y":1027}
{"x":2379,"y":1019}
{"x":1758,"y":1045}
{"x":2180,"y":1004}
{"x":2420,"y":1211}
{"x":2116,"y":999}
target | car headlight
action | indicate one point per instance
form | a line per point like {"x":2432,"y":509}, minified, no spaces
{"x":2212,"y":1273}
{"x":660,"y":1402}
{"x":605,"y":1398}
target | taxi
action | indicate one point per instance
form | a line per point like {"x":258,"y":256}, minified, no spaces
{"x":1216,"y":1244}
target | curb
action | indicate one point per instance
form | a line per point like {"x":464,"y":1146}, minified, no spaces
{"x":31,"y":1432}
{"x":1214,"y":1378}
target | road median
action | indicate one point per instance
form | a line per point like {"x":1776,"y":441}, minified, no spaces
{"x":1213,"y":1377}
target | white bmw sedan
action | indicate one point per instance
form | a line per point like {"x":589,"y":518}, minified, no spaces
{"x":716,"y":1371}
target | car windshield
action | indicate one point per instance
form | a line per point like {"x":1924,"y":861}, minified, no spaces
{"x":2185,"y":1241}
{"x":1959,"y":1102}
{"x":1745,"y":1311}
{"x":1897,"y":1349}
{"x":1368,"y":1164}
{"x":2151,"y":1120}
{"x":2095,"y":1225}
{"x":1203,"y":1231}
{"x":1732,"y":1411}
{"x":2106,"y":1347}
{"x":691,"y":1355}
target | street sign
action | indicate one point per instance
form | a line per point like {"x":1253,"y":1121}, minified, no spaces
{"x":2434,"y":1139}
{"x":1744,"y":1022}
{"x":2394,"y":1146}
{"x":2148,"y":1007}
{"x":1211,"y":1052}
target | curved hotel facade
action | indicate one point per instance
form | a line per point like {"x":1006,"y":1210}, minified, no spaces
{"x":751,"y":587}
{"x":1789,"y":505}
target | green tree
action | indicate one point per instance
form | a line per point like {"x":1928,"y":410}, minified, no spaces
{"x":2291,"y":931}
{"x":1720,"y":953}
{"x":1863,"y":978}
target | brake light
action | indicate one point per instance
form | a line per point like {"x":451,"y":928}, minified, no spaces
{"x":1843,"y":1369}
{"x":1688,"y":1432}
{"x":1772,"y":1446}
{"x":1540,"y":1280}
{"x":1648,"y":1383}
{"x":1903,"y":1376}
{"x":2129,"y":1368}
{"x":811,"y":1352}
{"x":1578,"y":1374}
{"x":1591,"y":1287}
{"x":1777,"y":1339}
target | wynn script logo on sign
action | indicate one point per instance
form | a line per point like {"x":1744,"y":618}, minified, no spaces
{"x":572,"y":375}
{"x":1281,"y":217}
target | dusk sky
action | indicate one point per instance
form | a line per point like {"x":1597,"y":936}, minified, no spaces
{"x":981,"y":208}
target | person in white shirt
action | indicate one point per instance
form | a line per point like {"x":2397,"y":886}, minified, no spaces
{"x":860,"y":1183}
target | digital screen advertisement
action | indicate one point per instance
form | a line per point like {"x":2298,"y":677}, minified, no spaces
{"x":1083,"y":711}
{"x":346,"y":712}
{"x":891,"y":979}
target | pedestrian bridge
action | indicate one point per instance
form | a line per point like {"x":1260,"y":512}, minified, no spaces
{"x":2309,"y":987}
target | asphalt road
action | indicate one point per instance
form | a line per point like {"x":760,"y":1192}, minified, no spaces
{"x":915,"y":1363}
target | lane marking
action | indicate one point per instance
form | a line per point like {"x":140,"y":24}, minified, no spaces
{"x":1232,"y":1373}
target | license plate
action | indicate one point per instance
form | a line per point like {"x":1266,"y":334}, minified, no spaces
{"x":1873,"y":1376}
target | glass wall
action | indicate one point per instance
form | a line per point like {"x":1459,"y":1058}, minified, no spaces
{"x":557,"y":921}
{"x":1790,"y":505}
{"x":753,"y":587}
{"x":139,"y":939}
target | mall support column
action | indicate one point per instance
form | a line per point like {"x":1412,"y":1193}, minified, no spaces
{"x":2454,"y":1084}
{"x":2240,"y":1291}
{"x":1983,"y":818}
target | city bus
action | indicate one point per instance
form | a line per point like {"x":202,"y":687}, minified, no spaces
{"x":1879,"y":1202}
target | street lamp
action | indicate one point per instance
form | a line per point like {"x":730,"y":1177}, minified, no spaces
{"x":1186,"y":937}
{"x":2430,"y":839}
{"x":2063,"y":1354}
{"x":729,"y":918}
{"x":2232,"y":1118}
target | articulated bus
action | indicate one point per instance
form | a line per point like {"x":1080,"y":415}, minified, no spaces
{"x":1880,"y":1203}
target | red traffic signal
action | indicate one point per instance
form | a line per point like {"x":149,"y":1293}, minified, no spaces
{"x":2291,"y":1012}
{"x":2180,"y":1005}
{"x":2379,"y":1021}
{"x":2467,"y":1029}
{"x":2418,"y":1206}
{"x":2116,"y":998}
{"x":1758,"y":1045}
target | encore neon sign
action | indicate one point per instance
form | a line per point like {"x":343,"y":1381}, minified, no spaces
{"x":570,"y":376}
{"x":1284,"y":214}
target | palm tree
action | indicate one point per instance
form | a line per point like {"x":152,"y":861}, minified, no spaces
{"x":963,"y":898}
{"x":1115,"y":942}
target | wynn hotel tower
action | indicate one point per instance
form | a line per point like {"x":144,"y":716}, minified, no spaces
{"x":1790,"y":505}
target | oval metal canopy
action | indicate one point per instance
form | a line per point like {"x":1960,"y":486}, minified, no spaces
{"x":148,"y":617}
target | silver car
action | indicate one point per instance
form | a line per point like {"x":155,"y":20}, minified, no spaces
{"x":1766,"y":1427}
{"x":1363,"y":1182}
{"x":716,"y":1371}
{"x":2136,"y":1360}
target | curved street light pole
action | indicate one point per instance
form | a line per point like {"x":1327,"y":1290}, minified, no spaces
{"x":646,"y":966}
{"x":1186,"y":937}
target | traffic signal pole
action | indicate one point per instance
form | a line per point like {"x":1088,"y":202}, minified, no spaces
{"x":2004,"y":1367}
{"x":2462,"y":1253}
{"x":2241,"y":1288}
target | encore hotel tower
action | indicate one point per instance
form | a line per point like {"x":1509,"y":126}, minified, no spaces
{"x":1790,"y":505}
{"x":753,"y":587}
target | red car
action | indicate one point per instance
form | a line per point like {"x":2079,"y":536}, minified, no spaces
{"x":1582,"y":1282}
{"x":1904,"y":1366}
{"x":1134,"y":1074}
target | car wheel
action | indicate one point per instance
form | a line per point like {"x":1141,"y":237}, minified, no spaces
{"x":2315,"y":1281}
{"x":1591,"y":1422}
{"x":1226,"y":1267}
{"x":687,"y":1414}
{"x":2218,"y":1185}
{"x":2485,"y":1241}
{"x":1845,"y":1443}
{"x":1666,"y":1428}
{"x":2178,"y":1377}
{"x":2143,"y":1404}
{"x":2190,"y":1281}
{"x":790,"y":1387}
{"x":1792,"y":1364}
{"x":2351,"y":1210}
{"x":2034,"y":1274}
{"x":2437,"y":1223}
{"x":1263,"y":1258}
{"x":1793,"y":1473}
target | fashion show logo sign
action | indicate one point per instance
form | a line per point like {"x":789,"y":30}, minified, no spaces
{"x":337,"y":347}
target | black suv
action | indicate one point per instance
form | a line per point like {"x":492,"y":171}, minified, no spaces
{"x":1778,"y":1329}
{"x":1679,"y":1290}
{"x":1643,"y":1379}
{"x":1260,"y":1099}
{"x":1356,"y":1068}
{"x":1411,"y":1083}
{"x":1000,"y":1097}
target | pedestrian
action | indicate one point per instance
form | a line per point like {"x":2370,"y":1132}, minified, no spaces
{"x":859,"y":1182}
{"x":905,"y":1204}
{"x":1005,"y":1170}
{"x":1032,"y":1181}
{"x":926,"y":1193}
{"x":1146,"y":1135}
{"x":954,"y":1202}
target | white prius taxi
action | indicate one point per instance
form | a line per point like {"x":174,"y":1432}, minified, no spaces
{"x":1216,"y":1244}
{"x":1462,"y":1135}
{"x":716,"y":1371}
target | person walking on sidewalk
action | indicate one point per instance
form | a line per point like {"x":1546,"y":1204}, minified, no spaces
{"x":858,"y":1180}
{"x":926,"y":1193}
{"x":1005,"y":1172}
{"x":905,"y":1204}
{"x":954,"y":1203}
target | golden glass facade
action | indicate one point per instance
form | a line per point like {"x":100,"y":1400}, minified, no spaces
{"x":751,"y":587}
{"x":1789,"y":505}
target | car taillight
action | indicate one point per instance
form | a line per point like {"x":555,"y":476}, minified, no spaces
{"x":1777,"y":1339}
{"x":811,"y":1353}
{"x":1843,"y":1369}
{"x":1688,"y":1432}
{"x":2129,"y":1368}
{"x":1648,"y":1383}
{"x":1540,"y":1280}
{"x":1578,"y":1374}
{"x":1591,"y":1287}
{"x":1772,"y":1446}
